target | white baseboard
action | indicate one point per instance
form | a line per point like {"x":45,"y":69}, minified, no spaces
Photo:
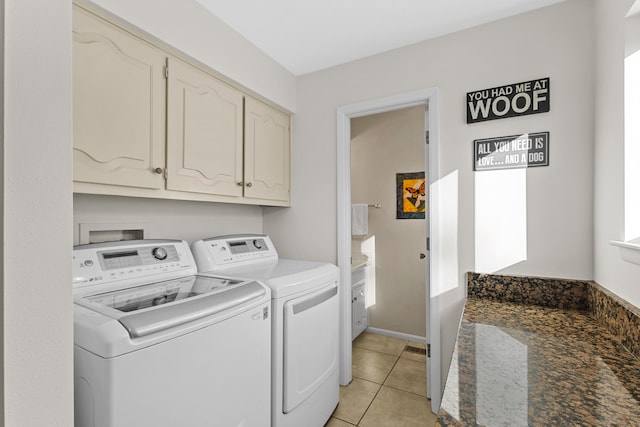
{"x":395,"y":334}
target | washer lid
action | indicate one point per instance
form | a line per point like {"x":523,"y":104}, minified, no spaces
{"x":150,"y":308}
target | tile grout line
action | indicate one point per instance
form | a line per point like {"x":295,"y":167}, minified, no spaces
{"x":398,"y":357}
{"x":383,"y":381}
{"x":407,"y":391}
{"x":369,"y":405}
{"x":395,"y":364}
{"x":396,"y":388}
{"x":400,"y":389}
{"x":381,"y":385}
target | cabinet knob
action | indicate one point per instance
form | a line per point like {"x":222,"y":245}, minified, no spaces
{"x":249,"y":184}
{"x":158,"y":171}
{"x":422,"y":256}
{"x":240,"y":184}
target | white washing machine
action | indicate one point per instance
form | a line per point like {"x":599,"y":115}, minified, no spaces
{"x":157,"y":346}
{"x":305,"y":318}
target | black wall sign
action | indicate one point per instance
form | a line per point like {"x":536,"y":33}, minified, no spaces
{"x":518,"y":99}
{"x":511,"y":152}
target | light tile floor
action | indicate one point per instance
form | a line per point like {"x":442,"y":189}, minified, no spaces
{"x":388,"y":387}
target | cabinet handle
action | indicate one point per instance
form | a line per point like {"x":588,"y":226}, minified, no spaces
{"x":240,"y":184}
{"x":158,"y":171}
{"x":249,"y":184}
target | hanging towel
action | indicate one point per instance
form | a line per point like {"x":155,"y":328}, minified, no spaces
{"x":359,"y":219}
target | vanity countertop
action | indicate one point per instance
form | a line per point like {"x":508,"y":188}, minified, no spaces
{"x":526,"y":365}
{"x":358,"y":264}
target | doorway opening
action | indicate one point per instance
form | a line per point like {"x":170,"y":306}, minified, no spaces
{"x":389,"y":221}
{"x":429,"y":100}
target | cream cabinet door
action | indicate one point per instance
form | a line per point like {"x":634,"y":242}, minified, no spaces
{"x":267,"y":152}
{"x":204,"y":131}
{"x":118,"y":106}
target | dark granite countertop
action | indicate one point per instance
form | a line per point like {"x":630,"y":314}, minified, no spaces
{"x":527,"y":365}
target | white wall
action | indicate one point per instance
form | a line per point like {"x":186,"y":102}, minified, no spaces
{"x":553,"y":42}
{"x":189,"y":27}
{"x":166,"y":219}
{"x":381,"y":146}
{"x":37,"y":208}
{"x":508,"y":51}
{"x":620,"y":277}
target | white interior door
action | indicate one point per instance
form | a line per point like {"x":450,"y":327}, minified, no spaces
{"x":427,"y":252}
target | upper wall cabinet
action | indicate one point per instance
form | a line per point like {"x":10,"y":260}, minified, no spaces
{"x":148,"y":124}
{"x":267,"y":152}
{"x":118,"y":106}
{"x":204,"y":133}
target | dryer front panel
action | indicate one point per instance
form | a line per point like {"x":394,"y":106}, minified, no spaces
{"x":310,"y":353}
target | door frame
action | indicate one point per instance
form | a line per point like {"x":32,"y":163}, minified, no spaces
{"x":428,"y":97}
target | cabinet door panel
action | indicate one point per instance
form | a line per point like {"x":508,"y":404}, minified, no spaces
{"x":358,"y":311}
{"x":267,"y":152}
{"x":118,"y":106}
{"x":204,"y":133}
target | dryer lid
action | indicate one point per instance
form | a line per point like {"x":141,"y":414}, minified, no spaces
{"x":285,"y":277}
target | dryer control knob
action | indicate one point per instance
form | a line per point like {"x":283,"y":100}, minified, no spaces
{"x":257,"y":244}
{"x":159,"y":253}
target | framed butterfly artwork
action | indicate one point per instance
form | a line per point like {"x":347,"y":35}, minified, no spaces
{"x":411,"y":198}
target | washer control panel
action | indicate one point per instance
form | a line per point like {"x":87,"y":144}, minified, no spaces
{"x":115,"y":261}
{"x":139,"y":256}
{"x":219,"y":252}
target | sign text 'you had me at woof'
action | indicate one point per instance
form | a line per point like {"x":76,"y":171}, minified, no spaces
{"x":518,"y":99}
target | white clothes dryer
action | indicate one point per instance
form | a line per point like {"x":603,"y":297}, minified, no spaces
{"x":157,"y":346}
{"x":305,"y":322}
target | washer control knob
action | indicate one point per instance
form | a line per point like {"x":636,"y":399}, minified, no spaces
{"x":159,"y":253}
{"x":257,"y":244}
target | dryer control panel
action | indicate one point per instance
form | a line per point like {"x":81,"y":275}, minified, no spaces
{"x":102,"y":263}
{"x":216,"y":253}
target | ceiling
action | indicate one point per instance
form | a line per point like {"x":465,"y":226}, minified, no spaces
{"x":307,"y":35}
